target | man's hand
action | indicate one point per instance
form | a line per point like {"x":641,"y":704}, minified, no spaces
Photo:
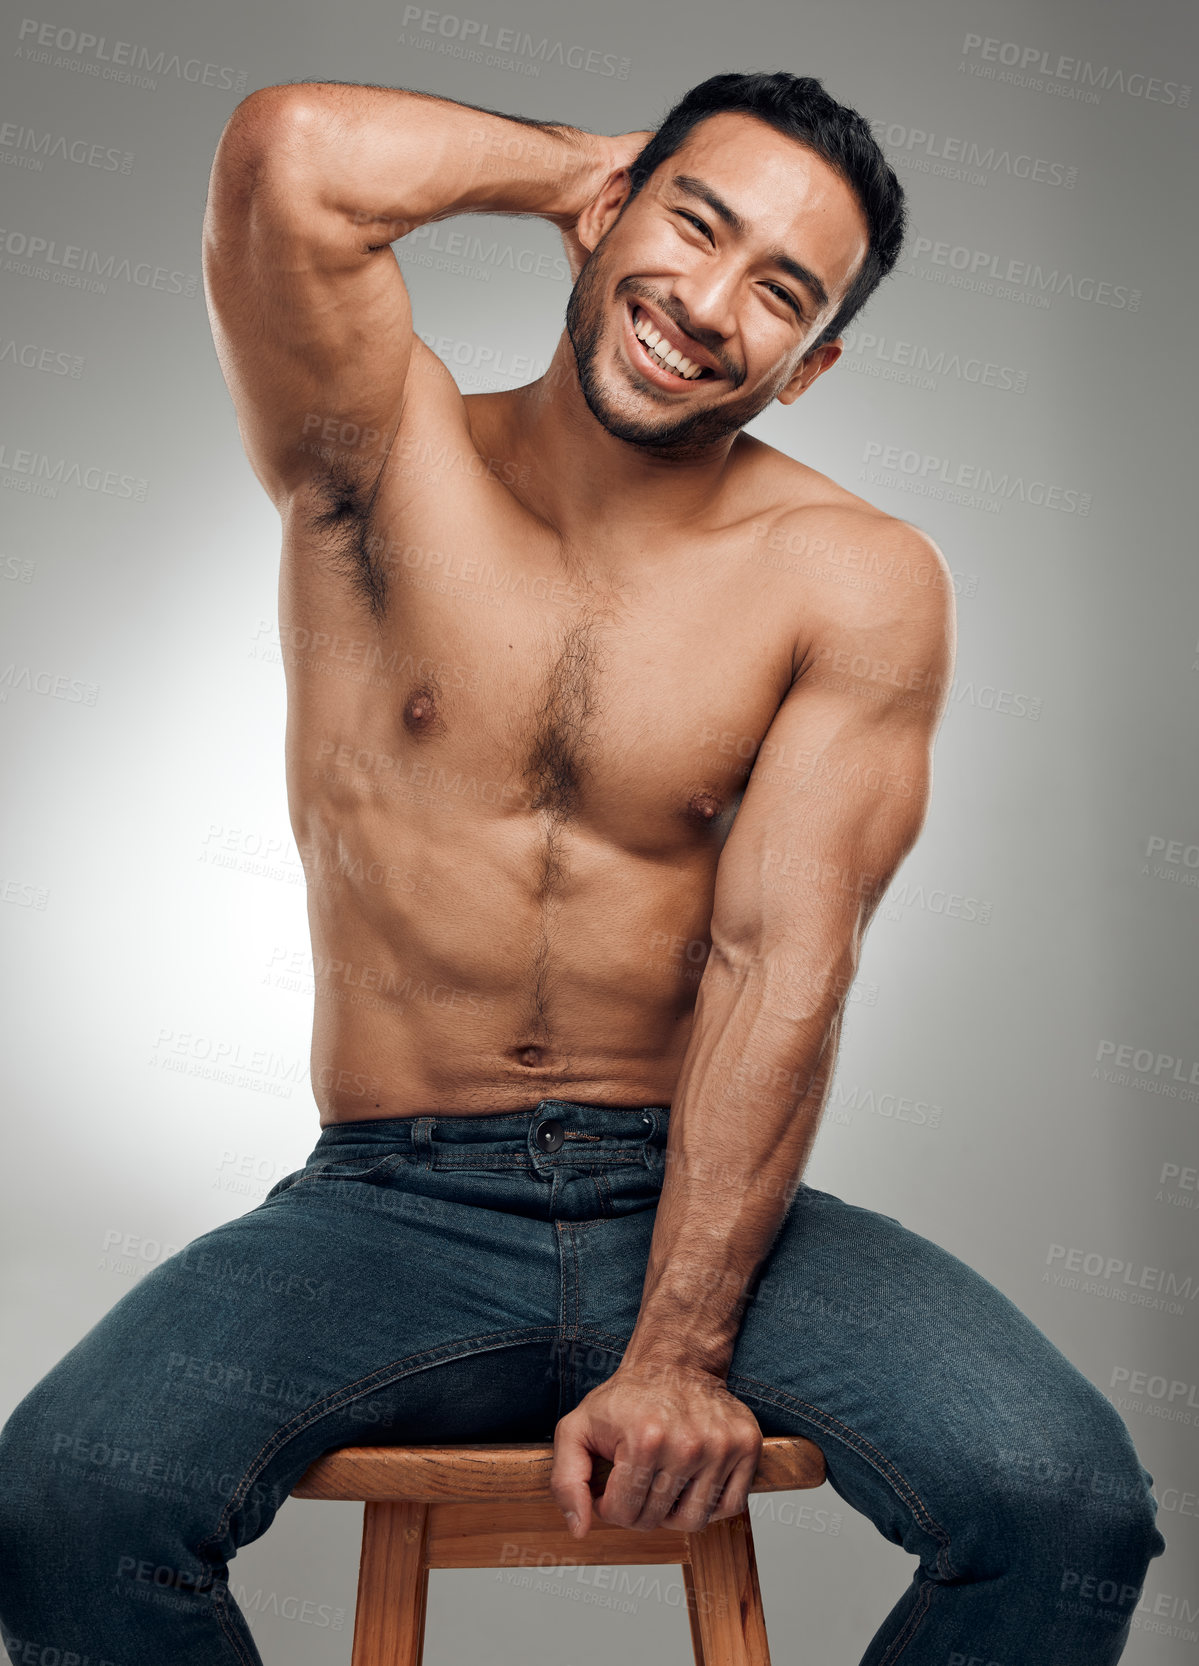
{"x":684,"y":1451}
{"x":611,"y":154}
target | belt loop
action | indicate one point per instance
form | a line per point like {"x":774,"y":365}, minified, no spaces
{"x":422,"y":1140}
{"x":649,"y":1124}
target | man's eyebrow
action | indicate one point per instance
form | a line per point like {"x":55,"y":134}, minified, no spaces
{"x":802,"y":274}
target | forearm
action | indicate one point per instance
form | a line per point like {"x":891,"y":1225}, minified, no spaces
{"x":397,"y":159}
{"x":742,"y":1123}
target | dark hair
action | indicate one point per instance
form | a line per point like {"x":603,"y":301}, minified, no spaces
{"x":799,"y":106}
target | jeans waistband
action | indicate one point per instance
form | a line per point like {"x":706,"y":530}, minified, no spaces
{"x":552,"y":1127}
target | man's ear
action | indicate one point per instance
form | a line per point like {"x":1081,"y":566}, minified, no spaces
{"x":806,"y":371}
{"x":603,"y":210}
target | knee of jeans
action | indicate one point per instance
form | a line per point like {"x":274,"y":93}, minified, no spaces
{"x":1083,"y":1502}
{"x":70,"y":1491}
{"x":32,"y":1504}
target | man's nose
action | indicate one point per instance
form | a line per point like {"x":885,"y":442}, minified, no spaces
{"x":706,"y":310}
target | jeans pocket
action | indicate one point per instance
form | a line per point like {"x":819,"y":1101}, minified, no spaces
{"x":367,"y":1165}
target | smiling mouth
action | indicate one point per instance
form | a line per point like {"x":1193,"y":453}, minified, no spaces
{"x":666,"y":357}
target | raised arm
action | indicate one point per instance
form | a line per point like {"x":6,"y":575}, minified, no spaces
{"x":836,"y":799}
{"x":310,"y":186}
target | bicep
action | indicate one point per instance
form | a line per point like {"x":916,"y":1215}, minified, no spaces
{"x":838,"y":794}
{"x":312,"y":325}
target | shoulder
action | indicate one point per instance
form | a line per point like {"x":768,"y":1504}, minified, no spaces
{"x":855,"y":580}
{"x":850,"y":569}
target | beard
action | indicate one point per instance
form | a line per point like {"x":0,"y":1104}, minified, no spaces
{"x":624,"y":409}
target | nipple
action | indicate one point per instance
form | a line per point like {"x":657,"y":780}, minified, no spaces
{"x":421,"y":714}
{"x":702,"y":808}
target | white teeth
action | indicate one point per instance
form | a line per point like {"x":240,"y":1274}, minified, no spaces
{"x":661,"y":349}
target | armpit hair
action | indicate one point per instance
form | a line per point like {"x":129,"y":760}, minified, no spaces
{"x":342,"y":517}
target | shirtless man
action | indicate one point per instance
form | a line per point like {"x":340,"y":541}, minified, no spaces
{"x":608,"y":726}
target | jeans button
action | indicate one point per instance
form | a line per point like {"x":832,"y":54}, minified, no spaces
{"x":549,"y":1134}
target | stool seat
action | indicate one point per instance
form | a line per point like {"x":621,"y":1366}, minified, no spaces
{"x":488,"y":1505}
{"x":426,"y":1474}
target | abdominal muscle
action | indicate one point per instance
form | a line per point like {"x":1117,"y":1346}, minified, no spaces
{"x":445,"y":986}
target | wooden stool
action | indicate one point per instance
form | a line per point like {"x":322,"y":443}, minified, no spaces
{"x":475,"y":1506}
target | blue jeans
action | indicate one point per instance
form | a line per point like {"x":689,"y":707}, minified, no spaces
{"x":472,"y":1278}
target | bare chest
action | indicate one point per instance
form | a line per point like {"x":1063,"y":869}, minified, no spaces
{"x":623,"y":692}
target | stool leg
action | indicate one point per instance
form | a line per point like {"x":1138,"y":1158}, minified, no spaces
{"x":723,"y":1584}
{"x":393,"y":1586}
{"x":697,"y":1641}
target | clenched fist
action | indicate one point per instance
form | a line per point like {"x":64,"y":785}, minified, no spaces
{"x":684,"y":1451}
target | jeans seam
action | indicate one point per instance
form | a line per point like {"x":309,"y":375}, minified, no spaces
{"x":904,"y":1636}
{"x":580,"y":1158}
{"x":506,"y":1160}
{"x":328,"y":1171}
{"x":380,"y":1378}
{"x":566,"y":1230}
{"x":850,"y":1437}
{"x":866,"y":1449}
{"x":231,"y":1635}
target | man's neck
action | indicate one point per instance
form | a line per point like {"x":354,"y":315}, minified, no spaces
{"x":585,"y":482}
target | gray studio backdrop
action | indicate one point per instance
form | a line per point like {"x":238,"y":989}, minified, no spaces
{"x":1019,"y":1078}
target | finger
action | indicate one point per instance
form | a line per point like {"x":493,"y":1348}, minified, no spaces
{"x":694,"y":1506}
{"x":667,"y":1485}
{"x":735,"y":1496}
{"x":622,"y":1502}
{"x":570,"y":1475}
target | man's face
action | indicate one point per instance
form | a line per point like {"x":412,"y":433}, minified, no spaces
{"x":669,"y":261}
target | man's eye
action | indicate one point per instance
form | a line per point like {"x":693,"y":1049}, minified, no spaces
{"x":692,"y":220}
{"x":782,"y":294}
